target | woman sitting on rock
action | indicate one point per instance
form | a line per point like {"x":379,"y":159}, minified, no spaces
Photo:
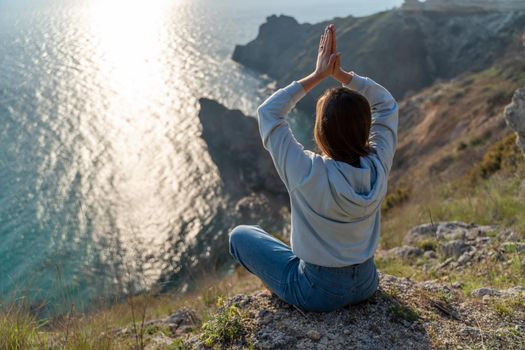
{"x":335,"y":196}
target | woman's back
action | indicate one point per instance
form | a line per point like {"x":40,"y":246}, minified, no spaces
{"x":336,"y":207}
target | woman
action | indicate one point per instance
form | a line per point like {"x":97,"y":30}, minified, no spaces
{"x":335,"y":196}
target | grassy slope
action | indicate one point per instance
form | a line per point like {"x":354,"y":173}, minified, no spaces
{"x":444,"y":130}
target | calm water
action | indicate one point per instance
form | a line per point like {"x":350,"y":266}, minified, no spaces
{"x":100,"y":155}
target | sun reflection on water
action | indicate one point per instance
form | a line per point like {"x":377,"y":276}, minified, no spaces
{"x":136,"y":78}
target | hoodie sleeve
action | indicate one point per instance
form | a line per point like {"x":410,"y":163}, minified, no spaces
{"x":383,"y":132}
{"x":292,"y":162}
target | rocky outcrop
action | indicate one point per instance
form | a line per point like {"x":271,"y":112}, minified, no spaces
{"x":419,"y":46}
{"x":235,"y":146}
{"x":250,"y":182}
{"x":515,"y":116}
{"x":403,"y":314}
{"x":457,"y":246}
{"x":446,"y":231}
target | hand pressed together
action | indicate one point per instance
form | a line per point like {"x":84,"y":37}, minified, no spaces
{"x":326,"y":57}
{"x":328,"y":62}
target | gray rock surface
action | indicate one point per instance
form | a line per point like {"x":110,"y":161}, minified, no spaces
{"x":244,"y":165}
{"x":419,"y":233}
{"x":453,"y":230}
{"x":515,"y":116}
{"x":454,"y":248}
{"x":403,"y":314}
{"x":405,"y":252}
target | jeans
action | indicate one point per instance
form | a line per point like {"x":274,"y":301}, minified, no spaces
{"x":309,"y":287}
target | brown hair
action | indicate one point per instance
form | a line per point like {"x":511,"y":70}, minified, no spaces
{"x":342,"y":125}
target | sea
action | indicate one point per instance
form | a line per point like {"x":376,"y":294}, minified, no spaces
{"x":102,"y":165}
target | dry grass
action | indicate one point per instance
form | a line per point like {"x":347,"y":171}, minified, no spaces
{"x":97,"y":330}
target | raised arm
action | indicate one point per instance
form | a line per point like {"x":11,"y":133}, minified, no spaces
{"x":292,"y":161}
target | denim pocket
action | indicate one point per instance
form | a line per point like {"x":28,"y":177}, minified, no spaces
{"x":332,"y":292}
{"x":327,"y":287}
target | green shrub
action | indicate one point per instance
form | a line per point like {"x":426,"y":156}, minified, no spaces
{"x":427,"y":244}
{"x":403,"y":312}
{"x":178,"y":344}
{"x":223,"y":327}
{"x":503,"y":156}
{"x":400,"y":195}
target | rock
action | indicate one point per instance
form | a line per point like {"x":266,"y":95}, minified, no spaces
{"x":480,"y":231}
{"x":515,"y":116}
{"x":314,"y":335}
{"x":184,"y":317}
{"x":514,"y":291}
{"x":470,"y":331}
{"x":509,"y":236}
{"x":464,"y":258}
{"x":447,"y":231}
{"x":487,"y":293}
{"x":430,"y":254}
{"x":445,"y":263}
{"x":457,"y":285}
{"x":453,"y":230}
{"x":483,"y":240}
{"x":420,"y":233}
{"x":454,"y":248}
{"x":482,"y":292}
{"x":323,"y":343}
{"x":243,"y":163}
{"x":404,"y":252}
{"x":159,"y":342}
{"x":266,"y":319}
{"x":273,"y":339}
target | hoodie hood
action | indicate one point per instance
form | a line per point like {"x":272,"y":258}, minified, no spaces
{"x":354,"y":193}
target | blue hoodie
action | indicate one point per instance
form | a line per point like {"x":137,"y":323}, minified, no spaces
{"x":335,"y":207}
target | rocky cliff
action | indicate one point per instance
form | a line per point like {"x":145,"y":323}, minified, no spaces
{"x":404,"y":50}
{"x":235,"y":146}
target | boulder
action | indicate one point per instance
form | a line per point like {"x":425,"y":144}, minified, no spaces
{"x":453,"y":230}
{"x":454,"y":248}
{"x":420,"y":233}
{"x":404,"y":252}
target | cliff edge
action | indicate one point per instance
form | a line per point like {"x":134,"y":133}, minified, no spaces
{"x":403,"y":314}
